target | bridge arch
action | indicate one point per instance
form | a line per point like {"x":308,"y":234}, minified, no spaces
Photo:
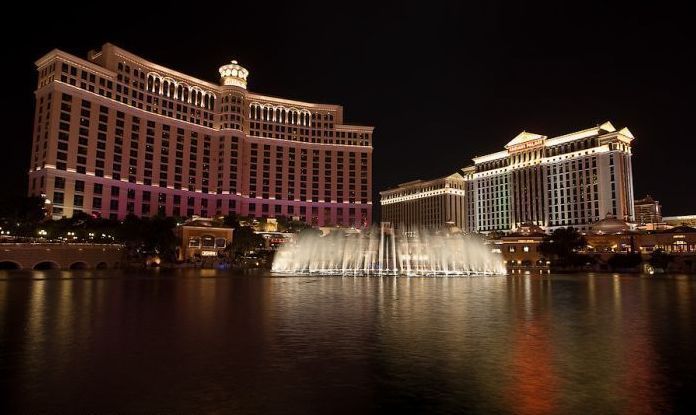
{"x":79,"y":265}
{"x":102,"y":265}
{"x":7,"y":265}
{"x":44,"y":265}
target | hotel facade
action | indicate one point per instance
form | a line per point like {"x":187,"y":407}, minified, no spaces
{"x":648,"y":211}
{"x":426,"y":204}
{"x":551,"y":182}
{"x":116,"y":134}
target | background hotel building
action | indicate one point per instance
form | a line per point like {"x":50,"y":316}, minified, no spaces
{"x":648,"y":211}
{"x":429,"y":204}
{"x":571,"y":180}
{"x":116,"y":134}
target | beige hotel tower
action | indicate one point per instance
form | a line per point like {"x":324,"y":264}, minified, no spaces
{"x":570,"y":180}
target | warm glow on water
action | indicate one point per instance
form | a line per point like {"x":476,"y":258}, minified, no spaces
{"x":200,"y":342}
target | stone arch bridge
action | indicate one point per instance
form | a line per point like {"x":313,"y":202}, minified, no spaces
{"x":20,"y":256}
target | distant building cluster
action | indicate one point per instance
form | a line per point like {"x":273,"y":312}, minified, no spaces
{"x":606,"y":238}
{"x":551,"y":182}
{"x":115,"y":134}
{"x":520,"y":195}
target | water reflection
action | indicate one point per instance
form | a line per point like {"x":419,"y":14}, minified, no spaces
{"x":203,"y":341}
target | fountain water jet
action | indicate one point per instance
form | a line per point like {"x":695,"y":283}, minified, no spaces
{"x":382,"y":251}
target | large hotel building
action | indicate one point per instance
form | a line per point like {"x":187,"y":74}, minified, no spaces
{"x":116,"y":134}
{"x":426,"y":203}
{"x":571,"y":180}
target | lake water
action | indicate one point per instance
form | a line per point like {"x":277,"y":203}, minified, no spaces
{"x":199,"y":341}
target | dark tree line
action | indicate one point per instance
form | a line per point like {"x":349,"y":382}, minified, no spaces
{"x":563,"y":246}
{"x":143,"y":236}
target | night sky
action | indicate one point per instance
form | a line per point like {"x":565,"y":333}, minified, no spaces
{"x":441,"y":82}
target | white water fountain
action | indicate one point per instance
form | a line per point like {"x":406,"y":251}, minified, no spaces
{"x":380,"y":251}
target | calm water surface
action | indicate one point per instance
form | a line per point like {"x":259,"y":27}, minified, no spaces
{"x":205,"y":341}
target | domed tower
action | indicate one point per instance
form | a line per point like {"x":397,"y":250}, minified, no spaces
{"x":233,"y":78}
{"x":233,"y":74}
{"x":232,"y":122}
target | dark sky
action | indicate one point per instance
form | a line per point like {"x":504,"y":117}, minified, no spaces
{"x":441,"y":82}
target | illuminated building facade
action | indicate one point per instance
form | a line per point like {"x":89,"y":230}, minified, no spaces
{"x":520,"y":249}
{"x":201,"y":238}
{"x":570,"y":180}
{"x":684,"y":220}
{"x":551,"y":182}
{"x":116,"y":134}
{"x":647,"y":210}
{"x":428,"y":204}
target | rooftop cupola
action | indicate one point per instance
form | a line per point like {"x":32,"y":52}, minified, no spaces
{"x":234,"y":74}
